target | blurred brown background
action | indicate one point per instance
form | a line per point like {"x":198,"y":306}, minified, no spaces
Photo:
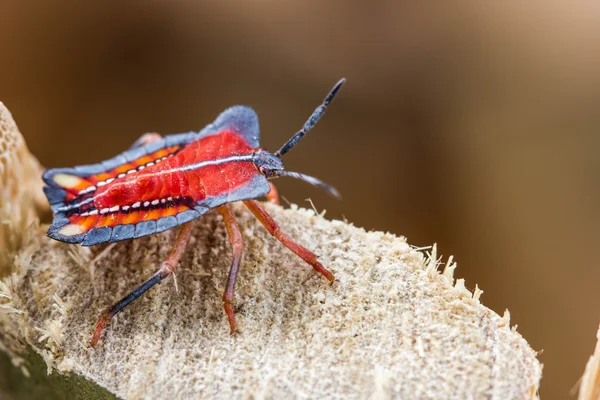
{"x":475,"y":125}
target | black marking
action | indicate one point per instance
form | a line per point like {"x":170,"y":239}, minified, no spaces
{"x":74,"y":206}
{"x":144,"y":228}
{"x":162,"y":224}
{"x":85,"y":212}
{"x":122,"y":232}
{"x":76,"y":209}
{"x":87,"y":190}
{"x":97,"y":236}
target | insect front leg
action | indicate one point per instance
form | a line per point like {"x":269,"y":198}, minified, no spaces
{"x":146,"y":138}
{"x":237,"y":246}
{"x":165,"y":270}
{"x":269,"y":223}
{"x":273,"y":195}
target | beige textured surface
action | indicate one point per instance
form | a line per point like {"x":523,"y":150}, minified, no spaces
{"x":390,"y":326}
{"x":589,"y":388}
{"x":21,"y":196}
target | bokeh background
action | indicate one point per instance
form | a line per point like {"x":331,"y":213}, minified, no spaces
{"x":475,"y":125}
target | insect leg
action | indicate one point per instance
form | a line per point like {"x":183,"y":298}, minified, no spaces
{"x":261,"y":214}
{"x":146,"y":139}
{"x":237,"y":245}
{"x":273,"y":195}
{"x":165,"y":270}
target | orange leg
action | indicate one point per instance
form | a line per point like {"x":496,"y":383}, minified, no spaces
{"x":261,"y":214}
{"x":237,"y":245}
{"x":273,"y":195}
{"x":165,"y":270}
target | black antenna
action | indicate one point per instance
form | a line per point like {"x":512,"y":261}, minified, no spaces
{"x":312,"y":120}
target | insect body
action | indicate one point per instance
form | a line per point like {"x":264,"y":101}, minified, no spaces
{"x":161,"y":183}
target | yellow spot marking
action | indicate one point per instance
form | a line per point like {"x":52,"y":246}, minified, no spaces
{"x":67,"y":181}
{"x":71,"y":230}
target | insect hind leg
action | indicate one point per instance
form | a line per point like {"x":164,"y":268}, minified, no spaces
{"x":167,"y":267}
{"x":269,"y":223}
{"x":237,"y":246}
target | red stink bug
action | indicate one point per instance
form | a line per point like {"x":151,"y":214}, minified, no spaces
{"x":161,"y":183}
